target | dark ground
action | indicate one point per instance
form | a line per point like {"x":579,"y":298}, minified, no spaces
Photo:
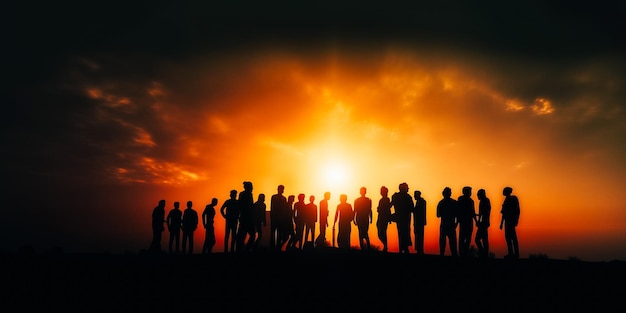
{"x":326,"y":280}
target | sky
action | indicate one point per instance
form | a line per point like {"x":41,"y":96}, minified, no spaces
{"x":110,"y":107}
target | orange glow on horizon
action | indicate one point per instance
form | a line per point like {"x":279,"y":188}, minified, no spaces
{"x":336,"y":123}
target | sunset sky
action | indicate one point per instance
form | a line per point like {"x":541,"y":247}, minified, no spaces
{"x":111,"y":106}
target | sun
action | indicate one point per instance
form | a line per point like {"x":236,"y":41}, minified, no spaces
{"x":334,"y":175}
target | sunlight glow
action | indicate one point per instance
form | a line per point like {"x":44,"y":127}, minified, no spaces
{"x":333,"y":174}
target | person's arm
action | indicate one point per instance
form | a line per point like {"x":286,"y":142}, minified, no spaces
{"x":336,"y":215}
{"x":223,"y":207}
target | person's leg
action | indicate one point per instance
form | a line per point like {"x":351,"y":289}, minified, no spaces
{"x":486,"y":242}
{"x":453,"y":244}
{"x":514,"y":243}
{"x":190,"y":242}
{"x":442,"y":241}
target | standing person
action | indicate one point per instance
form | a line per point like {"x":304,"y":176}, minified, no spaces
{"x":208,"y":218}
{"x":482,"y":224}
{"x":189,"y":226}
{"x":419,"y":221}
{"x":467,"y":214}
{"x":403,"y":206}
{"x":384,"y":216}
{"x":286,"y":227}
{"x":447,"y":209}
{"x":299,"y":213}
{"x":344,"y":215}
{"x":323,"y":220}
{"x":363,"y":218}
{"x":158,"y":218}
{"x":510,"y":217}
{"x":260,"y":219}
{"x":174,"y":220}
{"x":230,"y":212}
{"x":246,"y":218}
{"x":310,"y":220}
{"x":278,"y":203}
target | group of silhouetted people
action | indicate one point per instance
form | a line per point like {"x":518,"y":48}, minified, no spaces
{"x":186,"y":221}
{"x":293,"y":220}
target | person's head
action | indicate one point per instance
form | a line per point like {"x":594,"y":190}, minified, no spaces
{"x":214,"y":201}
{"x":343,"y":198}
{"x":176,"y":204}
{"x":233,"y":194}
{"x":281,"y":189}
{"x":363,"y":191}
{"x":301,"y":197}
{"x":311,"y":198}
{"x":327,"y":195}
{"x":189,"y":204}
{"x":384,"y":191}
{"x":247,"y":185}
{"x":261,"y":197}
{"x":291,"y":198}
{"x":507,"y":191}
{"x":162,"y":203}
{"x":447,"y":192}
{"x":481,"y":194}
{"x":417,"y":194}
{"x":404,"y":187}
{"x":467,"y":191}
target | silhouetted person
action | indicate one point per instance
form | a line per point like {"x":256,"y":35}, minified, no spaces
{"x":278,"y":204}
{"x":174,"y":221}
{"x":299,"y":213}
{"x":230,"y":212}
{"x":402,"y":203}
{"x":310,"y":220}
{"x":260,"y":219}
{"x":189,"y":226}
{"x":245,"y":232}
{"x":363,"y":218}
{"x":419,"y":221}
{"x":286,"y":231}
{"x":384,"y":216}
{"x":208,"y":219}
{"x":465,"y":218}
{"x":323,"y":220}
{"x":447,"y":210}
{"x":158,"y":219}
{"x":482,"y":224}
{"x":510,"y":217}
{"x":344,"y":215}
